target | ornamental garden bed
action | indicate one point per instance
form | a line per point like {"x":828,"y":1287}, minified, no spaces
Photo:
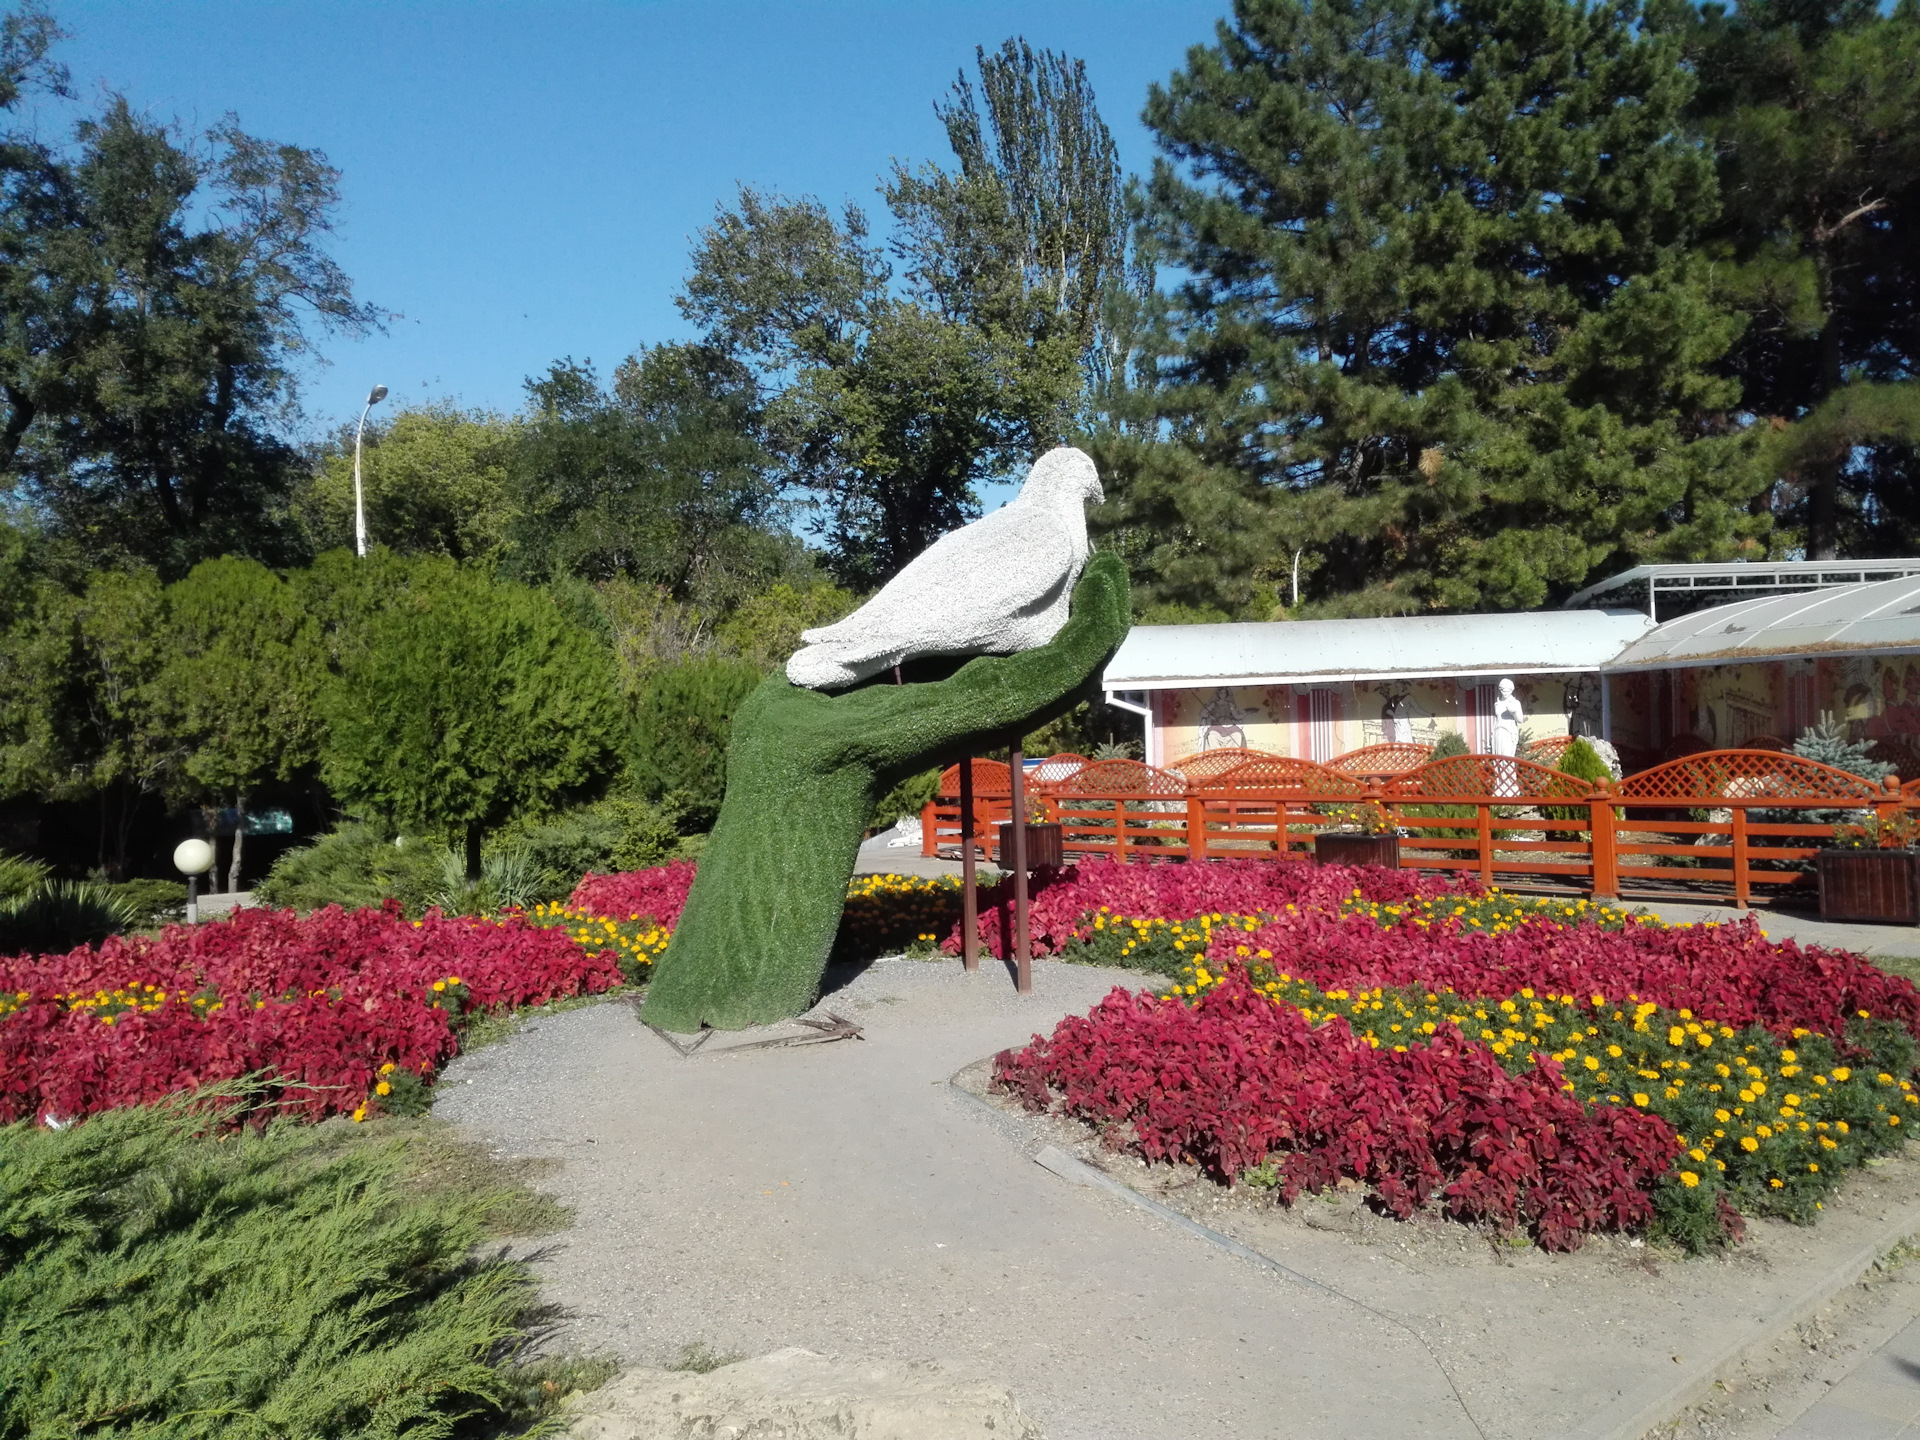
{"x":1547,"y":1067}
{"x":1553,"y":1068}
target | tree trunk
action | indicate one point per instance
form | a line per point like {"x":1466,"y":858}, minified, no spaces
{"x":803,"y":772}
{"x":474,"y":834}
{"x":1823,"y":477}
{"x":239,"y":840}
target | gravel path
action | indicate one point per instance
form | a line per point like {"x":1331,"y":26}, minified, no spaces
{"x":840,"y":1197}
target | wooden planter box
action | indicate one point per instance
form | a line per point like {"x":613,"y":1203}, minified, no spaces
{"x":1045,"y":846}
{"x":1869,"y":885}
{"x":1337,"y":847}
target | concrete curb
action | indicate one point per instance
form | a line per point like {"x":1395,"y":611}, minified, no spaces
{"x":1641,"y":1415}
{"x":1696,"y":1380}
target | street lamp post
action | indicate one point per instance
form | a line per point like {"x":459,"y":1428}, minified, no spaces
{"x":374,"y":397}
{"x":193,"y":858}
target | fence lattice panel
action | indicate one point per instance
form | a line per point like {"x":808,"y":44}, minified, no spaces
{"x":990,"y":777}
{"x":1746,"y":775}
{"x":1199,"y":769}
{"x":1281,"y":775}
{"x":1482,"y":777}
{"x":1055,"y":768}
{"x":1377,"y":762}
{"x":1105,"y":778}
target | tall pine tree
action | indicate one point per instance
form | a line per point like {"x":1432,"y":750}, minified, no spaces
{"x":1439,"y":329}
{"x":1813,"y":109}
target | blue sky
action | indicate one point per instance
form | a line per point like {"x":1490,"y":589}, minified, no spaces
{"x":522,"y":181}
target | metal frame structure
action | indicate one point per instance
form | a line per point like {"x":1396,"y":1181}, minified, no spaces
{"x":1764,"y":577}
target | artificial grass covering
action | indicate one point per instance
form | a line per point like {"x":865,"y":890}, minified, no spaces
{"x":158,"y":1278}
{"x":804,"y":770}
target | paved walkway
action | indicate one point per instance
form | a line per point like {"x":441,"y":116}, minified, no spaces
{"x":1879,"y":1400}
{"x":843,"y":1198}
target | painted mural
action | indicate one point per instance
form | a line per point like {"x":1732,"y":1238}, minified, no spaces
{"x":1325,"y":721}
{"x":1769,"y":703}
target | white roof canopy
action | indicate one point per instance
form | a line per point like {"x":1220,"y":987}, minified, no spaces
{"x":1175,"y":657}
{"x":1883,"y":616}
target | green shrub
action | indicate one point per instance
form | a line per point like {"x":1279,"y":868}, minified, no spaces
{"x":153,"y":902}
{"x":1451,"y":743}
{"x":297,"y":1283}
{"x":508,"y":881}
{"x":907,"y":799}
{"x":1583,"y":762}
{"x":621,"y":832}
{"x":355,"y":866}
{"x":19,"y":875}
{"x":58,"y":915}
{"x":677,"y":742}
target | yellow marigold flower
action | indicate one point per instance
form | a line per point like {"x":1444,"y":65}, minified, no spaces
{"x":1749,"y":1144}
{"x":440,"y":985}
{"x":1641,"y":1099}
{"x":1841,"y":1072}
{"x":1697,"y":1154}
{"x":383,"y":1088}
{"x":1777,"y":1184}
{"x":1689,"y":1179}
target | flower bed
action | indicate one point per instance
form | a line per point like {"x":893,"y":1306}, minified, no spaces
{"x":1540,"y":1063}
{"x":1063,"y":903}
{"x":346,"y":1009}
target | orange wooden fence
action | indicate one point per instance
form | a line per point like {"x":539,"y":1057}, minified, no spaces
{"x":1720,"y":822}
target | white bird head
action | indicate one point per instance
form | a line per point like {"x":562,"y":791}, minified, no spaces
{"x":1063,"y":474}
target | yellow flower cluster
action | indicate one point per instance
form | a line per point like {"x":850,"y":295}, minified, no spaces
{"x":635,"y":943}
{"x":1138,"y":943}
{"x":889,"y":913}
{"x":109,"y":1005}
{"x":1737,"y":1100}
{"x":1497,"y":912}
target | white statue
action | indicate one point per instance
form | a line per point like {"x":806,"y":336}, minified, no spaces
{"x":1508,"y":717}
{"x":995,"y":587}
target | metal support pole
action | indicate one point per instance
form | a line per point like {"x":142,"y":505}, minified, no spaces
{"x":969,"y":901}
{"x":193,"y":899}
{"x":1022,"y":950}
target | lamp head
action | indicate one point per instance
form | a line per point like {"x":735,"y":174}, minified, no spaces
{"x":193,"y":857}
{"x":378,"y":393}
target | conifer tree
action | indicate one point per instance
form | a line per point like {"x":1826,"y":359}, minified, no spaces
{"x":1440,"y":326}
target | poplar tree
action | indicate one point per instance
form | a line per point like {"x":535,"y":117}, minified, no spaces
{"x":1439,"y":328}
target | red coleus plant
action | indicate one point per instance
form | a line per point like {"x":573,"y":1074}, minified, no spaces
{"x":1063,"y":902}
{"x":658,"y":893}
{"x":322,"y":1002}
{"x":1731,"y":972}
{"x":1234,"y":1081}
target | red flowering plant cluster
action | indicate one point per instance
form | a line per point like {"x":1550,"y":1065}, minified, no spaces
{"x":658,"y":894}
{"x":1328,"y":1029}
{"x":1234,"y":1079}
{"x":1064,"y":903}
{"x":343,"y":1011}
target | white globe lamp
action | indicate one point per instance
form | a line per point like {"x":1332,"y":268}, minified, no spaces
{"x":193,"y":858}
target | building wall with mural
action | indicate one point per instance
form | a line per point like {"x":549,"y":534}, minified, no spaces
{"x":1319,"y":722}
{"x":1770,"y":702}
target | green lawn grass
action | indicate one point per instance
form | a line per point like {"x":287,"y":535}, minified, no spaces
{"x":163,"y":1277}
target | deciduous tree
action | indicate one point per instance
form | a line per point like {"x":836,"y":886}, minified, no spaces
{"x":471,"y":702}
